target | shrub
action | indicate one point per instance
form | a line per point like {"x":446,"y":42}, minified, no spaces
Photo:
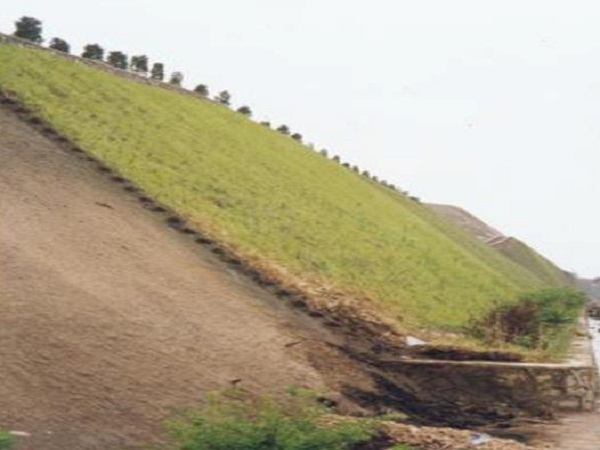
{"x":297,"y":136}
{"x":201,"y":90}
{"x":245,"y":110}
{"x":93,"y":51}
{"x":224,"y":98}
{"x":266,"y":123}
{"x":118,"y":60}
{"x":283,"y":129}
{"x":60,"y":44}
{"x":176,"y":79}
{"x":541,"y":319}
{"x":29,"y":28}
{"x":158,"y":71}
{"x":236,"y":421}
{"x":139,"y":63}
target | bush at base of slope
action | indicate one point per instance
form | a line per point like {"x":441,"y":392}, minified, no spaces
{"x":543,"y":320}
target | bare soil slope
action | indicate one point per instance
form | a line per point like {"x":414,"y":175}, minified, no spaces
{"x":111,"y":321}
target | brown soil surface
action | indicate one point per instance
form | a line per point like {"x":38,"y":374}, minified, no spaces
{"x":577,"y":431}
{"x":429,"y":438}
{"x":111,"y":321}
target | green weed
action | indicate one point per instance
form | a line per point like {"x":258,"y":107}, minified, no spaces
{"x":237,"y":421}
{"x":6,"y":440}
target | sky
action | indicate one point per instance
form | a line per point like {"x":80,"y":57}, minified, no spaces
{"x":493,"y":106}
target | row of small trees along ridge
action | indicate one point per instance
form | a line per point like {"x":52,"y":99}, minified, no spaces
{"x":30,"y":28}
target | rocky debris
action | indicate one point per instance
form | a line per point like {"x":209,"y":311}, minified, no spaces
{"x":412,"y":341}
{"x":19,"y":433}
{"x":430,"y":438}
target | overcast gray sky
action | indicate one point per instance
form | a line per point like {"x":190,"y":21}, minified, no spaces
{"x":490,"y":105}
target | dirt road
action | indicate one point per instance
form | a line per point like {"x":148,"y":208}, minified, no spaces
{"x":110,"y":321}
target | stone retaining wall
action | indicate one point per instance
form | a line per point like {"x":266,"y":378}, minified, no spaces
{"x":504,"y":389}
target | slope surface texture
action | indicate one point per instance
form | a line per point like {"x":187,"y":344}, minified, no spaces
{"x":111,"y":320}
{"x":267,"y":196}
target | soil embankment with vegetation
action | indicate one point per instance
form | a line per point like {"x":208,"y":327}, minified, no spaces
{"x":307,"y":220}
{"x":117,"y":311}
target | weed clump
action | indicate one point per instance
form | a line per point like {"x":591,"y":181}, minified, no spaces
{"x":6,"y":440}
{"x":236,"y":421}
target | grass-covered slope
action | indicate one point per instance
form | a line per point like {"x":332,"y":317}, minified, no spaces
{"x":267,"y":195}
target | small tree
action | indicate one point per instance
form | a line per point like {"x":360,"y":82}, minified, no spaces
{"x":324,"y":152}
{"x":60,"y":44}
{"x":93,"y":51}
{"x":266,"y":123}
{"x":139,"y":63}
{"x":284,"y":129}
{"x":201,"y":90}
{"x":224,"y":98}
{"x":158,"y":71}
{"x":297,"y":136}
{"x":176,"y":79}
{"x":118,"y":60}
{"x":245,"y":110}
{"x":366,"y":174}
{"x":336,"y":158}
{"x":29,"y":28}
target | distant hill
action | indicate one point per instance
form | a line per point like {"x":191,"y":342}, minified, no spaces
{"x":466,"y":221}
{"x":306,"y":220}
{"x":591,"y":287}
{"x":512,"y":248}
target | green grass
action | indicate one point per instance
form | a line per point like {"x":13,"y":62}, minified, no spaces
{"x":237,"y":421}
{"x":6,"y":440}
{"x":268,"y":196}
